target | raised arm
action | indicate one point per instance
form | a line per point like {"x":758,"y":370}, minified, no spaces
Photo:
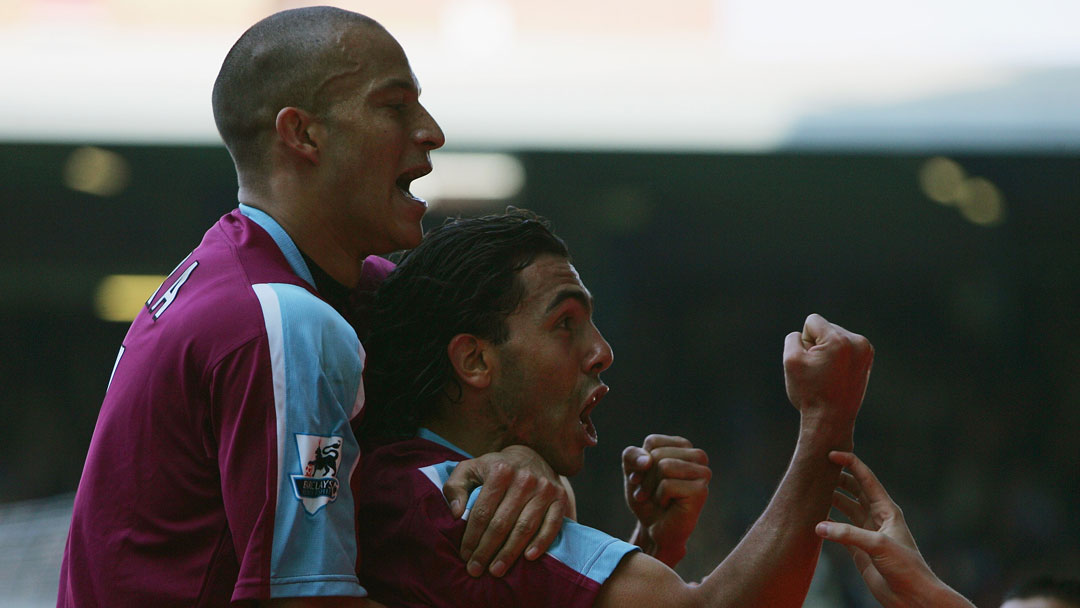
{"x":826,"y":369}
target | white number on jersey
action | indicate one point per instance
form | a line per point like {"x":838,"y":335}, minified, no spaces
{"x":118,"y":355}
{"x":169,"y":296}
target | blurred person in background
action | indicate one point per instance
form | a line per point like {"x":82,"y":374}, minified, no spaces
{"x":219,"y":467}
{"x":483,"y":336}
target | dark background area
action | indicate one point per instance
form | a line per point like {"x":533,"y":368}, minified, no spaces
{"x":700,"y":265}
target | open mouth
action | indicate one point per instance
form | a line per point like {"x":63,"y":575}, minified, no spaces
{"x":586,"y":420}
{"x":405,"y":180}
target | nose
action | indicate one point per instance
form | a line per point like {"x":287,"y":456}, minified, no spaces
{"x":428,"y":133}
{"x":600,"y":355}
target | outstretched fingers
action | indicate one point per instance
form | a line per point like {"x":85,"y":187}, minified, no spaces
{"x":868,"y":483}
{"x":850,"y":507}
{"x":870,"y":541}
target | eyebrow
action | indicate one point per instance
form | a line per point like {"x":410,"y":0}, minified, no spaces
{"x":399,"y":83}
{"x":571,"y":294}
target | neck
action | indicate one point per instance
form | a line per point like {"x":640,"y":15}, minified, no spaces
{"x":306,"y":221}
{"x":468,"y":429}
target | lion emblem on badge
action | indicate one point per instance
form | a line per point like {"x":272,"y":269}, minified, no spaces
{"x":320,"y":459}
{"x":326,"y":459}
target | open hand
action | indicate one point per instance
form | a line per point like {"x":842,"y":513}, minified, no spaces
{"x":881,"y":544}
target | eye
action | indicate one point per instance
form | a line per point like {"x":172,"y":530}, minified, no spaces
{"x":398,"y":102}
{"x":564,"y":323}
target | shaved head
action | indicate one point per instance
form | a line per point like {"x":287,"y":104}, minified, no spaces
{"x":286,"y":60}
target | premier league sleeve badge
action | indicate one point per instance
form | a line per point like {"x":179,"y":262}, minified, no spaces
{"x":319,"y":459}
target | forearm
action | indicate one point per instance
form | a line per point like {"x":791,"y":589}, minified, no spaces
{"x":774,"y":563}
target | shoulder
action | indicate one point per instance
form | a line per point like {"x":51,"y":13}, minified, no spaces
{"x":401,"y":478}
{"x":416,"y":466}
{"x":297,"y":308}
{"x":251,"y":274}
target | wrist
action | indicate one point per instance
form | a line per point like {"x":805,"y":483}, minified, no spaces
{"x":821,"y":432}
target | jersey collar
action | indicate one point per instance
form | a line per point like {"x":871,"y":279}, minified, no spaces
{"x":284,"y":242}
{"x":430,"y":435}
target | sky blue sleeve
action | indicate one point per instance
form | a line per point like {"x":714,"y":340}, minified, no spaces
{"x":317,"y":362}
{"x":587,"y":551}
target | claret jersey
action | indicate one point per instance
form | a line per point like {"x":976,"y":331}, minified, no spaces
{"x":409,"y":540}
{"x":220,"y":464}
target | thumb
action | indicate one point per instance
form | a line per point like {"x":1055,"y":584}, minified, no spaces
{"x":793,"y":345}
{"x":462,"y":481}
{"x":635,"y":460}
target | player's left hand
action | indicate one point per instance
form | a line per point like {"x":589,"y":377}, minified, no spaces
{"x":666,"y":482}
{"x":522,"y":502}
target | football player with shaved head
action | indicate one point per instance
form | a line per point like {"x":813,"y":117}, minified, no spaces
{"x":219,"y":471}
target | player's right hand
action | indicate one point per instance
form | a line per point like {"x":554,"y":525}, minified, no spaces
{"x":520,"y":508}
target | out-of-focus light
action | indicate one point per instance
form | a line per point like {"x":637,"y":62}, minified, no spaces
{"x":942,"y":180}
{"x":464,"y":177}
{"x":96,"y":171}
{"x":120,"y":297}
{"x":479,"y":26}
{"x":981,"y":202}
{"x":977,"y":199}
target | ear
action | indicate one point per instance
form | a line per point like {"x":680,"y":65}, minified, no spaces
{"x":470,"y":358}
{"x":296,"y":130}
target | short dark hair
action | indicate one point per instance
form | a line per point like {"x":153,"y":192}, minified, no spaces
{"x":278,"y":62}
{"x":1066,"y":590}
{"x":463,"y":278}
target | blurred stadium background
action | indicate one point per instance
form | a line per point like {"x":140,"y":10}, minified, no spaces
{"x":720,"y":168}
